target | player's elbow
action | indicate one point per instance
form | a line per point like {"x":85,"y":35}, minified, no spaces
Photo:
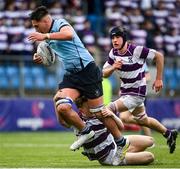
{"x":69,"y":35}
{"x":159,"y":57}
{"x":105,"y":75}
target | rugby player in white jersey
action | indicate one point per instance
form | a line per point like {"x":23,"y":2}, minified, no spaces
{"x":127,"y":117}
{"x":128,"y":59}
{"x":102,"y":146}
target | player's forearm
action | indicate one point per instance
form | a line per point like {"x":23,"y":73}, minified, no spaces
{"x":107,"y":71}
{"x":59,"y":36}
{"x":159,"y":59}
{"x":64,"y":34}
{"x":118,"y":122}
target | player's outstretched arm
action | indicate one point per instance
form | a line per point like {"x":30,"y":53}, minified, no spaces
{"x":65,"y":33}
{"x":158,"y":83}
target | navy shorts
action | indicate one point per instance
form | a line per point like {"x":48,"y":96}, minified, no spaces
{"x":87,"y":81}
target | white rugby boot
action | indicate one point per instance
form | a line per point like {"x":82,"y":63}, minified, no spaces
{"x":81,"y":140}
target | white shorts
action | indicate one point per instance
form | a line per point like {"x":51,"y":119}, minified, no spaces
{"x":131,"y":102}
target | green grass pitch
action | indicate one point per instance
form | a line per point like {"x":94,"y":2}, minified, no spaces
{"x":51,"y":150}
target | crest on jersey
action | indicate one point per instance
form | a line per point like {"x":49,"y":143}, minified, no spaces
{"x":130,"y":59}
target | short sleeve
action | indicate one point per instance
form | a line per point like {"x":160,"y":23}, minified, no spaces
{"x":59,"y":24}
{"x":144,"y":52}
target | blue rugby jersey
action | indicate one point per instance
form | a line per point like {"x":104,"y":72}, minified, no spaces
{"x":72,"y":52}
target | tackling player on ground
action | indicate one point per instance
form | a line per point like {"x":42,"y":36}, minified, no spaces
{"x":102,"y":146}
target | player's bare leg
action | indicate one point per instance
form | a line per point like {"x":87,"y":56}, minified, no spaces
{"x":136,"y":153}
{"x":63,"y":104}
{"x":112,"y":127}
{"x":142,"y":119}
{"x":139,"y":158}
{"x":140,"y":143}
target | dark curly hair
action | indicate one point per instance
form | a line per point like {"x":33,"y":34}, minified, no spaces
{"x":79,"y":101}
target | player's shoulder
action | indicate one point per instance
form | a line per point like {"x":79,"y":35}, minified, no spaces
{"x":137,"y":49}
{"x":58,"y":23}
{"x":112,"y":52}
{"x":61,"y":21}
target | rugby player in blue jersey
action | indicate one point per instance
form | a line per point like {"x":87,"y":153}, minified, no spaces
{"x":82,"y":76}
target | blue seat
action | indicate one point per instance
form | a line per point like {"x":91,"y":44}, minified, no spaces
{"x":4,"y":84}
{"x":37,"y":71}
{"x":173,"y":83}
{"x":170,"y":78}
{"x":28,"y":82}
{"x":168,"y":73}
{"x":12,"y":71}
{"x":178,"y":76}
{"x":51,"y":82}
{"x":26,"y":70}
{"x":2,"y":71}
{"x":13,"y":76}
{"x":39,"y":83}
{"x":15,"y":82}
{"x":178,"y":73}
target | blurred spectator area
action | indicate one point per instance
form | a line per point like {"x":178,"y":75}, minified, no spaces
{"x":152,"y":23}
{"x":21,"y":77}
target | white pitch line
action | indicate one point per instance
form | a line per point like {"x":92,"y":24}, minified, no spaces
{"x":92,"y":168}
{"x":32,"y":145}
{"x":53,"y":145}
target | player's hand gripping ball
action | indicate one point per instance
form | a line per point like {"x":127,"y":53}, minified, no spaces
{"x":46,"y":53}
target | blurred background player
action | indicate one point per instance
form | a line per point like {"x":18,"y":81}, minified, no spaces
{"x":128,"y":60}
{"x":127,"y":117}
{"x":82,"y":76}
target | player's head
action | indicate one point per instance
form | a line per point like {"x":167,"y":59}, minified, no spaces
{"x":80,"y":101}
{"x":82,"y":105}
{"x":118,"y":36}
{"x":41,"y":20}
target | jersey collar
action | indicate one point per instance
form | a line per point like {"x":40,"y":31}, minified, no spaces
{"x":51,"y":25}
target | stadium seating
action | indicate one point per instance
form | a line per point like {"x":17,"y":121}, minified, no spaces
{"x":13,"y":76}
{"x":4,"y":82}
{"x":101,"y":16}
{"x":51,"y":82}
{"x":170,"y":78}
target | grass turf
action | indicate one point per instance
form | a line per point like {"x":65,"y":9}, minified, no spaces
{"x":51,"y":150}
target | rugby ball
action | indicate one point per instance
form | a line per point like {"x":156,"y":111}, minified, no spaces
{"x":47,"y":54}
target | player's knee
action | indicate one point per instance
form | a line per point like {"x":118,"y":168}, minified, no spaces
{"x":151,"y":141}
{"x":112,"y":107}
{"x":149,"y":157}
{"x":63,"y":105}
{"x":63,"y":108}
{"x":97,"y":111}
{"x":141,"y":118}
{"x":124,"y":118}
